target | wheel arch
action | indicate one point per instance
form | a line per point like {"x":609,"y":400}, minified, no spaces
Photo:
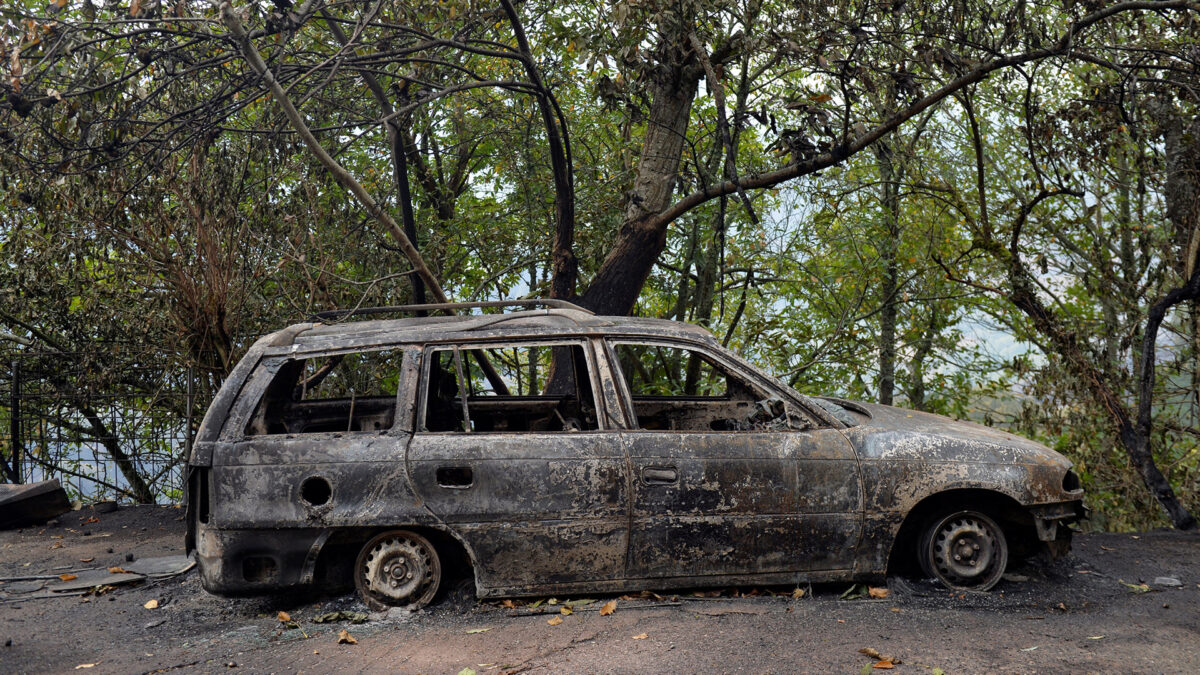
{"x":1008,"y":513}
{"x":337,"y":556}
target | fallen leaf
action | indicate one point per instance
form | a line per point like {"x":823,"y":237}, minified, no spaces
{"x":608,"y":608}
{"x":67,"y":577}
{"x":331,"y":617}
{"x":565,"y":611}
{"x":1137,"y":588}
{"x":508,"y":604}
{"x":896,"y":610}
{"x":841,"y":621}
{"x":643,"y":636}
{"x":865,"y":670}
{"x":116,"y":570}
{"x":1096,"y":637}
{"x":345,"y":638}
{"x":552,"y":601}
{"x":937,"y":671}
{"x":875,"y":654}
{"x":878,"y":592}
{"x":1105,"y":548}
{"x":798,"y":593}
{"x":93,"y":519}
{"x":85,"y":560}
{"x":467,"y":671}
{"x":555,"y":621}
{"x":473,"y":631}
{"x":855,"y":592}
{"x":580,"y":603}
{"x":1029,"y":649}
{"x":284,"y":617}
{"x":57,"y":544}
{"x":87,"y":665}
{"x":883,"y":665}
{"x":537,"y":603}
{"x":152,"y":604}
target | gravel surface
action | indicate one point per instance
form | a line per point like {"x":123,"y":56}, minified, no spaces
{"x":1112,"y":606}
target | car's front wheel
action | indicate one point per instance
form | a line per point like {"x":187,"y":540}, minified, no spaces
{"x":964,"y":550}
{"x":399,"y":568}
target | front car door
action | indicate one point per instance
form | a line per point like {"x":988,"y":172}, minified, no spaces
{"x":524,"y":469}
{"x":728,"y":479}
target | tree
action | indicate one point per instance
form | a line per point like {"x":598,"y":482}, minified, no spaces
{"x":95,"y":90}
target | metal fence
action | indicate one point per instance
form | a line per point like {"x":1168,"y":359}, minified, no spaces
{"x":100,"y":446}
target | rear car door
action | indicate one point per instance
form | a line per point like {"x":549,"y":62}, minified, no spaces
{"x":522,"y":465}
{"x":727,"y":478}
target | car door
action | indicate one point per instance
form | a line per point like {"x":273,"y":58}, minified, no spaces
{"x":722,"y":486}
{"x":533,"y":481}
{"x":313,"y":444}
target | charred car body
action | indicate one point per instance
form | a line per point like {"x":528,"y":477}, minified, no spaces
{"x":554,"y":451}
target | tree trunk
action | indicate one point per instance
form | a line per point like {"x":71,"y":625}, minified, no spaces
{"x":1135,"y":439}
{"x":889,"y":185}
{"x":1183,"y":209}
{"x":916,"y":368}
{"x":643,"y":234}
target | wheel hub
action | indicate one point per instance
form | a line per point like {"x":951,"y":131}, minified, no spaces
{"x":963,"y":549}
{"x":397,"y":570}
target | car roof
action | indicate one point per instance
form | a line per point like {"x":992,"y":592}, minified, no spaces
{"x":522,"y":325}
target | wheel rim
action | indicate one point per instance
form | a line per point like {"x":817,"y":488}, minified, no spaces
{"x":397,"y":569}
{"x":966,"y":551}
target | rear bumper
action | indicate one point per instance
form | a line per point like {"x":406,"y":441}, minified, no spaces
{"x":254,"y":561}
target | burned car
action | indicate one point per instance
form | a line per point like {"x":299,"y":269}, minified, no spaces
{"x":551,"y":451}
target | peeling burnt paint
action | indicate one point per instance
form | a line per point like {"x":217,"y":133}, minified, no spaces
{"x":613,"y":508}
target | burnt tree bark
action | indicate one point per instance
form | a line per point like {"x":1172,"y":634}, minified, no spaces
{"x":643,"y":234}
{"x":889,"y":180}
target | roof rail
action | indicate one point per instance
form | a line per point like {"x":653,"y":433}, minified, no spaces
{"x":552,"y":303}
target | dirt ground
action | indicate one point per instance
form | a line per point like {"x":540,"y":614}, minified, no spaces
{"x":1087,"y":613}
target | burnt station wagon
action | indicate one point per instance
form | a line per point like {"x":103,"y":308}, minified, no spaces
{"x":551,"y":451}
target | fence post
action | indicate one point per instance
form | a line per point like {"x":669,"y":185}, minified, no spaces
{"x":15,"y":421}
{"x":191,"y":401}
{"x":187,"y":429}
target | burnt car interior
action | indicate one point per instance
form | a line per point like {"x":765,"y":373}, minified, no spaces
{"x":541,"y":388}
{"x":675,"y":389}
{"x":344,"y":392}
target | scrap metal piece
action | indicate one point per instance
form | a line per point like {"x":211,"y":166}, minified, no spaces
{"x":32,"y":503}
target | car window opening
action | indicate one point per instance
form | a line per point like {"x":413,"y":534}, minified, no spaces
{"x":341,"y":393}
{"x":676,"y":389}
{"x":530,"y":388}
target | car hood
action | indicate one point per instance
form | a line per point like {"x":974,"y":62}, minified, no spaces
{"x":897,"y":434}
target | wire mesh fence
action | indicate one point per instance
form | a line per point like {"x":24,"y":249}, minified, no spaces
{"x":121,"y":436}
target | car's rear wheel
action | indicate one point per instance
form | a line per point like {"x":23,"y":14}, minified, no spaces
{"x":399,"y":568}
{"x":964,"y":550}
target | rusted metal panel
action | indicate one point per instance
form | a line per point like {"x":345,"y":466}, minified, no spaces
{"x":743,"y":503}
{"x":537,"y":506}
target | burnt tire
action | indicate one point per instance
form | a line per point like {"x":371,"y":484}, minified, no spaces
{"x":399,"y":568}
{"x":963,"y":550}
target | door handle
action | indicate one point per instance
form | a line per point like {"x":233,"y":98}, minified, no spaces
{"x":455,"y":477}
{"x":659,"y":475}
